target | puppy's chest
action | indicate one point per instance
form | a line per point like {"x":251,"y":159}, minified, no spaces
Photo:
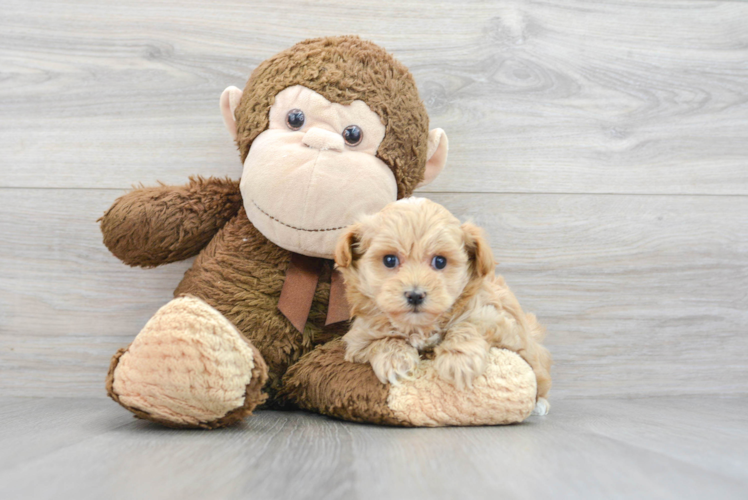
{"x":484,"y":317}
{"x":425,"y":341}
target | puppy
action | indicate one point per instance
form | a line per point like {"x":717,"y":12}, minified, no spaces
{"x":418,"y":280}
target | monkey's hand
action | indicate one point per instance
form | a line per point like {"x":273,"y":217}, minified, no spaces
{"x":151,"y":226}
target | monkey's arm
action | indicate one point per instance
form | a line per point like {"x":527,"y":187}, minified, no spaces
{"x":151,"y":226}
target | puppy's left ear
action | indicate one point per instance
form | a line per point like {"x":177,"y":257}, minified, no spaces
{"x":345,"y":251}
{"x":478,"y":249}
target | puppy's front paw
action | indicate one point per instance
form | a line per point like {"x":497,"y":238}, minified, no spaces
{"x":460,"y":367}
{"x":542,"y":407}
{"x":394,"y":361}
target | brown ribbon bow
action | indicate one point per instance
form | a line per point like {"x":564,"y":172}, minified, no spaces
{"x":298,"y":292}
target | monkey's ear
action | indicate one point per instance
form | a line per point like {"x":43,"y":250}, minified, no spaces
{"x":229,"y":101}
{"x":436,"y":154}
{"x":345,"y":253}
{"x":478,"y":249}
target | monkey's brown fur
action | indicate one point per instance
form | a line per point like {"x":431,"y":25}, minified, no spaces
{"x":344,"y":69}
{"x":238,"y":271}
{"x":158,"y":225}
{"x":326,"y":383}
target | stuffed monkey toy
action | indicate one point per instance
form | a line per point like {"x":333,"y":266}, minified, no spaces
{"x":328,"y":130}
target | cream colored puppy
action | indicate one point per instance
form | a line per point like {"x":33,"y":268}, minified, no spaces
{"x":416,"y":280}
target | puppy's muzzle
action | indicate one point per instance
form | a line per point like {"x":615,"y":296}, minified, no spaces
{"x":415,"y":297}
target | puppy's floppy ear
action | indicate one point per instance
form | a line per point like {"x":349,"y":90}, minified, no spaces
{"x":345,"y":253}
{"x":478,"y":250}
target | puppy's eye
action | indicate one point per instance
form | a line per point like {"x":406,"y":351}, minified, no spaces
{"x":391,"y":261}
{"x":353,"y":135}
{"x":439,"y":262}
{"x":295,"y":119}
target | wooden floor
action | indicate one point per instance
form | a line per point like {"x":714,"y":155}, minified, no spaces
{"x":677,"y":447}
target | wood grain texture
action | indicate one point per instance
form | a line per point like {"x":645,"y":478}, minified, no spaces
{"x":662,"y":448}
{"x":640,"y":294}
{"x":634,"y":96}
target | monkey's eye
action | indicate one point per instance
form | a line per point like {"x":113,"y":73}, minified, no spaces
{"x":391,"y":261}
{"x":353,"y":135}
{"x":439,"y":262}
{"x":295,"y":119}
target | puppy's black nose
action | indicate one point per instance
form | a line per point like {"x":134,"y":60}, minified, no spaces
{"x":415,"y":298}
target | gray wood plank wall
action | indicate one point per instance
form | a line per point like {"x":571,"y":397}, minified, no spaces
{"x":603,"y":145}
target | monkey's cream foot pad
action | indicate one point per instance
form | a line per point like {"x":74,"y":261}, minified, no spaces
{"x":323,"y":381}
{"x":188,"y":367}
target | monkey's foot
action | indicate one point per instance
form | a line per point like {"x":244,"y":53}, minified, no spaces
{"x":189,"y":367}
{"x":324,"y":382}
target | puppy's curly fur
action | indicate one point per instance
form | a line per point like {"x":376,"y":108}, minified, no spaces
{"x":405,"y":303}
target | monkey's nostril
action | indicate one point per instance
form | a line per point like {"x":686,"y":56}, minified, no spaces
{"x":415,"y":298}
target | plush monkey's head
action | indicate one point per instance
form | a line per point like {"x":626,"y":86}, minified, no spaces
{"x":329,"y":130}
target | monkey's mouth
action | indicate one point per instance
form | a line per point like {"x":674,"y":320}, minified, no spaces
{"x":295,"y":227}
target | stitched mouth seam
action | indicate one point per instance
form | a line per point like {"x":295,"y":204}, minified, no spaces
{"x":294,"y":227}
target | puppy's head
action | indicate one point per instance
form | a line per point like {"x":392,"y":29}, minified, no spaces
{"x":411,"y":261}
